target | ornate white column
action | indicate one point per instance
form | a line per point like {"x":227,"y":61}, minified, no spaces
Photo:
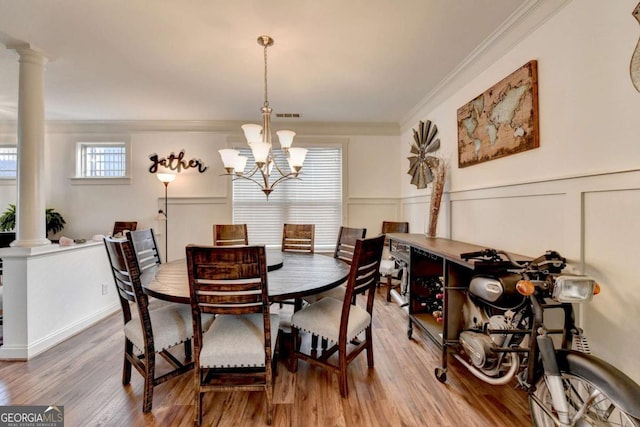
{"x":30,"y":220}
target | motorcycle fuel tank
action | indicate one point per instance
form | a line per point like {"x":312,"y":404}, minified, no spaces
{"x":499,"y":290}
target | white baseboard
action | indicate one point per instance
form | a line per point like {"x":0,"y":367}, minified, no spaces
{"x":20,"y":352}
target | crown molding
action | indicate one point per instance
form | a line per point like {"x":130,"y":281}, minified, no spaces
{"x":524,"y":21}
{"x":227,"y":126}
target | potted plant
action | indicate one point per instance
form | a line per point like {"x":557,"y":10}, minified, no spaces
{"x":54,"y":220}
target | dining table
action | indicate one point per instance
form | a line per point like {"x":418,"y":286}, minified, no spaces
{"x":290,"y":276}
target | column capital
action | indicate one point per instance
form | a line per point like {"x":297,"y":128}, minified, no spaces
{"x":29,"y":53}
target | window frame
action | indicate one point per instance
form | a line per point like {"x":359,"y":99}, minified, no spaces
{"x":80,"y":149}
{"x":10,"y":179}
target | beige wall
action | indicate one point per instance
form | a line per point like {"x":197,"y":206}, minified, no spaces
{"x":579,"y":193}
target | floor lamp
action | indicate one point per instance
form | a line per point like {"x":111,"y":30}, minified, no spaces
{"x":166,"y":178}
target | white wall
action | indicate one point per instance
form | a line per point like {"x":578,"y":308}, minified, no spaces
{"x":198,"y":200}
{"x":579,"y":193}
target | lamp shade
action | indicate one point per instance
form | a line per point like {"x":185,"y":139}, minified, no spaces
{"x":240,"y":163}
{"x":260,"y":151}
{"x":297,"y":155}
{"x":286,"y":138}
{"x":228,"y":156}
{"x":252,"y":132}
{"x":166,"y":177}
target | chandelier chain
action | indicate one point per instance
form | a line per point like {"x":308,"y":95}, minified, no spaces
{"x":266,"y":99}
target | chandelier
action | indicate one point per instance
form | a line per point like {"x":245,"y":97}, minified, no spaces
{"x":259,"y":140}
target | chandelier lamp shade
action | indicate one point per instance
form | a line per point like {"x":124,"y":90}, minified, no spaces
{"x":259,"y":140}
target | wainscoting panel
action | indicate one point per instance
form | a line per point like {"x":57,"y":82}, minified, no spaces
{"x":521,"y":224}
{"x":191,"y":220}
{"x":370,"y":212}
{"x":612,"y":257}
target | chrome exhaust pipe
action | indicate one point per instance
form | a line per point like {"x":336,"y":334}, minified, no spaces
{"x":515,"y":364}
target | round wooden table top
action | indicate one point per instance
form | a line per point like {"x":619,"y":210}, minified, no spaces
{"x":300,"y":275}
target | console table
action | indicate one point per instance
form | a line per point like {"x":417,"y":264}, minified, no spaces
{"x":438,"y":279}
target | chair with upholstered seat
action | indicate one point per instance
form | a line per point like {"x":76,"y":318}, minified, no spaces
{"x":120,"y":227}
{"x":237,"y":352}
{"x":230,"y":235}
{"x":346,"y":243}
{"x":341,"y":321}
{"x":347,"y":237}
{"x":390,"y":274}
{"x":146,"y":249}
{"x":147,"y":332}
{"x":298,"y":238}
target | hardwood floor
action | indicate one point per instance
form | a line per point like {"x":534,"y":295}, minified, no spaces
{"x":84,"y":374}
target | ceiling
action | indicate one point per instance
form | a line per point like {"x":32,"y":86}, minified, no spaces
{"x":333,"y":60}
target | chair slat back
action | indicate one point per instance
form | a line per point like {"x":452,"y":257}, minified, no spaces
{"x":228,"y":280}
{"x":120,"y":226}
{"x":230,"y":235}
{"x":364,"y":273}
{"x":394,"y":227}
{"x":126,"y":275}
{"x":346,"y":244}
{"x":146,"y":250}
{"x":298,"y":238}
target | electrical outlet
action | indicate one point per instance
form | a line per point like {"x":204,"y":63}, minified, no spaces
{"x":105,"y":289}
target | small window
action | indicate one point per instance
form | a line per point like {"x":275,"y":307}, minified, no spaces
{"x":8,"y":162}
{"x":102,"y":160}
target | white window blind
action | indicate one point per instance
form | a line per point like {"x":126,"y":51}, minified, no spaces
{"x":316,"y":198}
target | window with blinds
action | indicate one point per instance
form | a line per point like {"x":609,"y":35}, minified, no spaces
{"x":102,"y":160}
{"x":315,"y":198}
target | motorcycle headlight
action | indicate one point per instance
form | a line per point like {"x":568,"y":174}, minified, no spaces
{"x":573,"y":289}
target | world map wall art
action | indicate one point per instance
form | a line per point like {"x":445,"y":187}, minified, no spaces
{"x":501,"y":121}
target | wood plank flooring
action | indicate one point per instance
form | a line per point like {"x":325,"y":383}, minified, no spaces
{"x":84,"y":374}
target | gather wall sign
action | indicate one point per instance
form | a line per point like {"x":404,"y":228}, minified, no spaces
{"x":175,"y":163}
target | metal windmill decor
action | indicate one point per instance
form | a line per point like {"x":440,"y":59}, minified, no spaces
{"x":425,"y":169}
{"x":422,"y":166}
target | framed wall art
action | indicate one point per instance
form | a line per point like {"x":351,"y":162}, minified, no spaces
{"x":501,"y":121}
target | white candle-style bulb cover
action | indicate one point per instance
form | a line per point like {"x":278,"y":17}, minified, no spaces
{"x":286,"y":138}
{"x":252,"y":132}
{"x":297,"y":155}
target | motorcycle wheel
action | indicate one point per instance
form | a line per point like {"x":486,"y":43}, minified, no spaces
{"x":601,"y":412}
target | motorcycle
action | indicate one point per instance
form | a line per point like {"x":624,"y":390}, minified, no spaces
{"x":503,"y":336}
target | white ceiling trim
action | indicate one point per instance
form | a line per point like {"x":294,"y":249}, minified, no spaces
{"x":526,"y":19}
{"x":221,"y":126}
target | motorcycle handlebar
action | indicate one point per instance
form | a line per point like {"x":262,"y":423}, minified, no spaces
{"x":491,"y":255}
{"x":485,"y":253}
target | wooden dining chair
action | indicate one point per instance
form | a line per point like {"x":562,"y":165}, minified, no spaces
{"x":298,"y":238}
{"x":347,"y":237}
{"x":230,"y":234}
{"x":146,"y":249}
{"x":150,"y":332}
{"x":238,"y":351}
{"x":390,"y":274}
{"x":120,"y":226}
{"x":341,"y":321}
